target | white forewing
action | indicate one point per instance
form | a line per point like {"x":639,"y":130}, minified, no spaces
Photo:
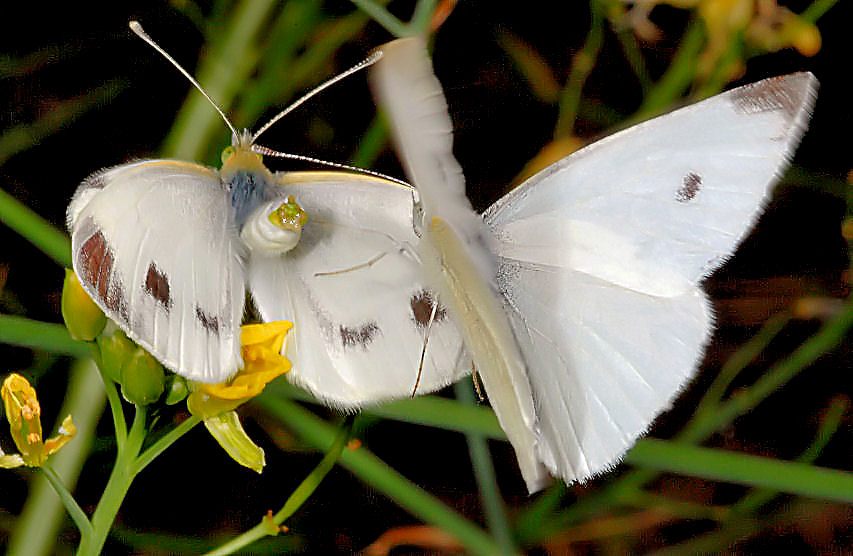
{"x":602,"y":254}
{"x":660,"y":205}
{"x":354,"y":288}
{"x":152,"y":244}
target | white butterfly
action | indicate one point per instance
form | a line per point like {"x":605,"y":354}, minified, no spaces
{"x":600,"y":319}
{"x":168,"y":249}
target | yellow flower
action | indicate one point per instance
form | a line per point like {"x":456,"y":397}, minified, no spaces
{"x":262,"y":362}
{"x":214,"y":403}
{"x":24,"y":415}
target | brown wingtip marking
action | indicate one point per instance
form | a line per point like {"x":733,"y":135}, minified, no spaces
{"x":95,"y":265}
{"x":208,"y":322}
{"x":690,"y":186}
{"x":157,"y":286}
{"x":421,"y":303}
{"x":360,"y":336}
{"x":784,"y":93}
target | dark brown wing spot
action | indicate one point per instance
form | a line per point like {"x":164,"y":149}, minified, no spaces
{"x":95,"y":263}
{"x":157,"y":285}
{"x":208,"y":321}
{"x":422,"y":303}
{"x":690,"y":186}
{"x":360,"y":336}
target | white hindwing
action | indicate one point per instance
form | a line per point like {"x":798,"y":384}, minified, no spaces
{"x":602,"y":255}
{"x":153,"y":246}
{"x":354,"y":288}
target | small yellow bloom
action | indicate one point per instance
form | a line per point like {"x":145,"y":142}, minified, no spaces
{"x":24,"y":415}
{"x":214,"y":403}
{"x":262,"y":362}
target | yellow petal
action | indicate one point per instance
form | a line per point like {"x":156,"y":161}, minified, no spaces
{"x":265,"y":333}
{"x":10,"y":461}
{"x":66,"y":432}
{"x":228,"y":431}
{"x":24,"y":415}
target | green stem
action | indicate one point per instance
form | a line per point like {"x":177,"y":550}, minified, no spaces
{"x":164,"y":442}
{"x":119,"y":482}
{"x":44,"y":336}
{"x":746,"y":469}
{"x":484,"y":471}
{"x":116,"y":409}
{"x":379,"y":475}
{"x":35,"y":229}
{"x":270,"y":525}
{"x":74,"y":510}
{"x":582,"y":64}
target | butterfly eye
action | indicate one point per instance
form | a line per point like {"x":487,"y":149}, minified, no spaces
{"x":227,"y":153}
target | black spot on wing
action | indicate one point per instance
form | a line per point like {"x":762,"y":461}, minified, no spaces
{"x":208,"y":322}
{"x":360,"y":336}
{"x":690,"y":186}
{"x":157,"y":286}
{"x":422,"y":303}
{"x":95,"y":267}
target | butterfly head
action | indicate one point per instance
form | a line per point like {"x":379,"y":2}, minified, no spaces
{"x":240,"y":157}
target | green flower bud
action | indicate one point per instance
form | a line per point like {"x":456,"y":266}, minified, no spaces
{"x":176,"y":389}
{"x":115,"y":349}
{"x":142,"y":378}
{"x":83,"y":318}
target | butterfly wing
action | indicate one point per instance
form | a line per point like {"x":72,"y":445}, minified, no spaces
{"x":455,"y":244}
{"x":602,"y":254}
{"x":354,"y":289}
{"x":153,"y":244}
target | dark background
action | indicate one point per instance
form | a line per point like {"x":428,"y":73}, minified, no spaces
{"x":194,"y":489}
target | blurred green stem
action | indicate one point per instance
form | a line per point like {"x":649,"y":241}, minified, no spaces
{"x":377,"y":474}
{"x":582,"y":64}
{"x":270,"y":525}
{"x":35,"y":229}
{"x":484,"y":471}
{"x":231,"y":60}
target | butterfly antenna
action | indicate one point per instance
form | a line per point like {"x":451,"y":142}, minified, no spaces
{"x":137,"y":28}
{"x":423,"y":350}
{"x":260,"y":149}
{"x":369,"y":61}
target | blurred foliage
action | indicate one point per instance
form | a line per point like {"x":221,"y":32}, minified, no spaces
{"x":527,"y":84}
